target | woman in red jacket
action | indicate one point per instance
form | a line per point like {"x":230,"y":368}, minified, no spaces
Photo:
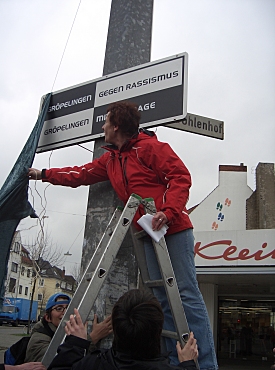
{"x":136,"y":162}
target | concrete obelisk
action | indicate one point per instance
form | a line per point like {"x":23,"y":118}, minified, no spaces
{"x":128,"y":45}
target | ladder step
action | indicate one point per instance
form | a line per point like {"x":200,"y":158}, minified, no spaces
{"x":174,"y":335}
{"x":153,"y":283}
{"x":140,"y":234}
{"x":89,"y":275}
{"x":170,"y":334}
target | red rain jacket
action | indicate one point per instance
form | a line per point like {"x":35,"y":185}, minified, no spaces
{"x":144,"y":166}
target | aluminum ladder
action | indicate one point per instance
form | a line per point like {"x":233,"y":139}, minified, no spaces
{"x":100,"y":264}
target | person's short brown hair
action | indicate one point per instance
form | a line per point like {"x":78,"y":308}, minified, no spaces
{"x":137,"y":320}
{"x":126,"y":116}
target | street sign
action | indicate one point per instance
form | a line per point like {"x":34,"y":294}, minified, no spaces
{"x":76,"y":114}
{"x":200,"y":125}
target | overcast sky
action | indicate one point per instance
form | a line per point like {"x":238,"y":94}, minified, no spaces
{"x":231,"y":77}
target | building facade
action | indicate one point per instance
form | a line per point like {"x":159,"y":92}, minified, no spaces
{"x":45,"y":279}
{"x":234,"y":230}
{"x":52,"y":280}
{"x":20,"y":272}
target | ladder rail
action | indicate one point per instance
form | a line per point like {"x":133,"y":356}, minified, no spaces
{"x":170,"y":283}
{"x":171,"y":288}
{"x":82,"y":286}
{"x":104,"y":256}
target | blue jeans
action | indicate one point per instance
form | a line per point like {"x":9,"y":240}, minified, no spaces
{"x":181,"y":250}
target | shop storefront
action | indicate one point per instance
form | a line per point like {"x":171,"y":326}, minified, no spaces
{"x":246,"y":328}
{"x":236,"y":273}
{"x":234,"y":228}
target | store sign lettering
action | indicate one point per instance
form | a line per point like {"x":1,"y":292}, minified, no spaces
{"x":231,"y":253}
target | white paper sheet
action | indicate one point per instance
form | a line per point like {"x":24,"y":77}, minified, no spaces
{"x":146,"y":223}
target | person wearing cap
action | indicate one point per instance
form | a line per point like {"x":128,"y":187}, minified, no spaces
{"x":44,"y":330}
{"x":137,"y":319}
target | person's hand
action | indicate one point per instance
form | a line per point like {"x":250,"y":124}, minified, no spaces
{"x":158,"y":221}
{"x":189,"y":351}
{"x":34,"y":174}
{"x":101,"y":330}
{"x":27,"y":366}
{"x":75,"y":326}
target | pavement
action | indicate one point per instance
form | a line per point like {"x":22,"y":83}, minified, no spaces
{"x":10,"y":335}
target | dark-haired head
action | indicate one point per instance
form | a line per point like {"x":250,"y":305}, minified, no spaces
{"x":137,"y":320}
{"x":126,"y":116}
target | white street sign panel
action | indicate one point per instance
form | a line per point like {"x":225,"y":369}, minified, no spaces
{"x":200,"y":125}
{"x":235,"y":248}
{"x":76,"y":114}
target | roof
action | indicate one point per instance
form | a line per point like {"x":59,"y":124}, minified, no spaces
{"x":232,"y":168}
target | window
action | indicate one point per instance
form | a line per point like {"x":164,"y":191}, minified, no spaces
{"x":28,"y":273}
{"x":63,"y":284}
{"x":69,"y":286}
{"x":14,"y":267}
{"x":12,"y":284}
{"x":9,"y":309}
{"x":20,"y":289}
{"x":41,"y":282}
{"x":26,"y":290}
{"x":16,"y":247}
{"x":40,"y":297}
{"x":22,"y":270}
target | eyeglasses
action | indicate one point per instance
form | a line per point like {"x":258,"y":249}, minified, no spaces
{"x":60,"y":308}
